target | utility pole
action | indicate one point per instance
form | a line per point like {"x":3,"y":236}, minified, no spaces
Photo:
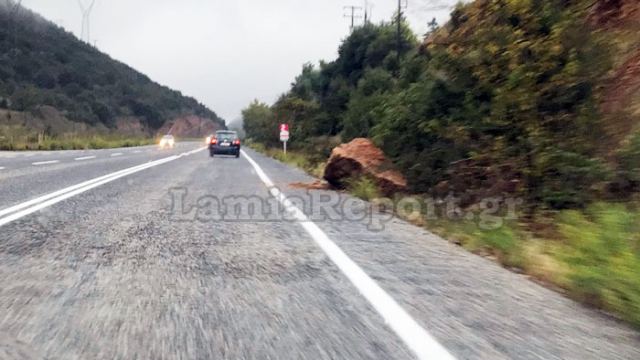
{"x":86,"y":24}
{"x":353,"y":15}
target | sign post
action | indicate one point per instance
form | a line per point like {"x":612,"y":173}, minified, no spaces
{"x":284,"y":136}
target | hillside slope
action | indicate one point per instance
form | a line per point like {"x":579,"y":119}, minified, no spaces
{"x":613,"y":26}
{"x":43,"y":65}
{"x":620,"y":19}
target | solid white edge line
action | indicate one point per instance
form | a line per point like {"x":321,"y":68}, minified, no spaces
{"x":45,"y":162}
{"x":60,"y":192}
{"x":40,"y":206}
{"x":417,"y":339}
{"x":41,"y":202}
{"x":84,"y":158}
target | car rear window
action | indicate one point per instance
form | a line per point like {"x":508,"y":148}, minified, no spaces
{"x":226,"y":136}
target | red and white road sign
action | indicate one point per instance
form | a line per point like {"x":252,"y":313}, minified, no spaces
{"x":284,"y":132}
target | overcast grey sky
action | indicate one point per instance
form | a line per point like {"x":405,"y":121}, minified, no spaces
{"x":223,"y":53}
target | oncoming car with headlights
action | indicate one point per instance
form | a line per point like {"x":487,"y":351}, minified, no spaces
{"x":167,"y":141}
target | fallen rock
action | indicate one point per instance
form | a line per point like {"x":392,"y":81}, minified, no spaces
{"x":361,"y":157}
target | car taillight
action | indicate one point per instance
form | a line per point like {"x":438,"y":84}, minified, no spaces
{"x":214,"y":141}
{"x":236,"y":142}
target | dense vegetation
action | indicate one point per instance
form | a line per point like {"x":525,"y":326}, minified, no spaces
{"x":42,"y":64}
{"x":508,"y":83}
{"x":504,"y":100}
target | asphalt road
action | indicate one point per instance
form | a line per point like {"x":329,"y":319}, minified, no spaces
{"x":169,"y":259}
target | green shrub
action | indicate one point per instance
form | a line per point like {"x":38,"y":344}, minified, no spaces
{"x":292,"y":158}
{"x":568,"y":179}
{"x":603,"y":256}
{"x":629,"y":160}
{"x":364,"y":188}
{"x":502,"y":242}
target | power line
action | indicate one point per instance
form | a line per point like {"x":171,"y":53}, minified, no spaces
{"x":353,"y":15}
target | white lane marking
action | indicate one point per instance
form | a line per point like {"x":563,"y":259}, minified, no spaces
{"x":45,"y":162}
{"x":84,"y":158}
{"x":137,"y":151}
{"x":18,"y":211}
{"x":423,"y":345}
{"x":2,"y":168}
{"x":116,"y":154}
{"x":196,"y":150}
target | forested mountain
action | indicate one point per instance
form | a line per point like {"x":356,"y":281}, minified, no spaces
{"x":42,"y":64}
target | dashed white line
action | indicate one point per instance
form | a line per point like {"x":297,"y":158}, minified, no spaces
{"x":423,"y":345}
{"x":2,"y":168}
{"x":84,"y":158}
{"x":116,"y":154}
{"x":45,"y":162}
{"x":18,"y":211}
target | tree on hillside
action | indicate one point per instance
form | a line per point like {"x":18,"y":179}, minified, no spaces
{"x":259,"y":123}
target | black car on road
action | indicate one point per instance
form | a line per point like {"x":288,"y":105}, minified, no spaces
{"x":225,"y":142}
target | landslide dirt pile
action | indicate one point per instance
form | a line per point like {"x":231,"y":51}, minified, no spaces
{"x":361,"y":157}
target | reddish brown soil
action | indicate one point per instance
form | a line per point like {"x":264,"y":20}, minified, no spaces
{"x":316,"y":185}
{"x":612,"y":14}
{"x":190,"y":127}
{"x":361,"y":157}
{"x":624,"y":83}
